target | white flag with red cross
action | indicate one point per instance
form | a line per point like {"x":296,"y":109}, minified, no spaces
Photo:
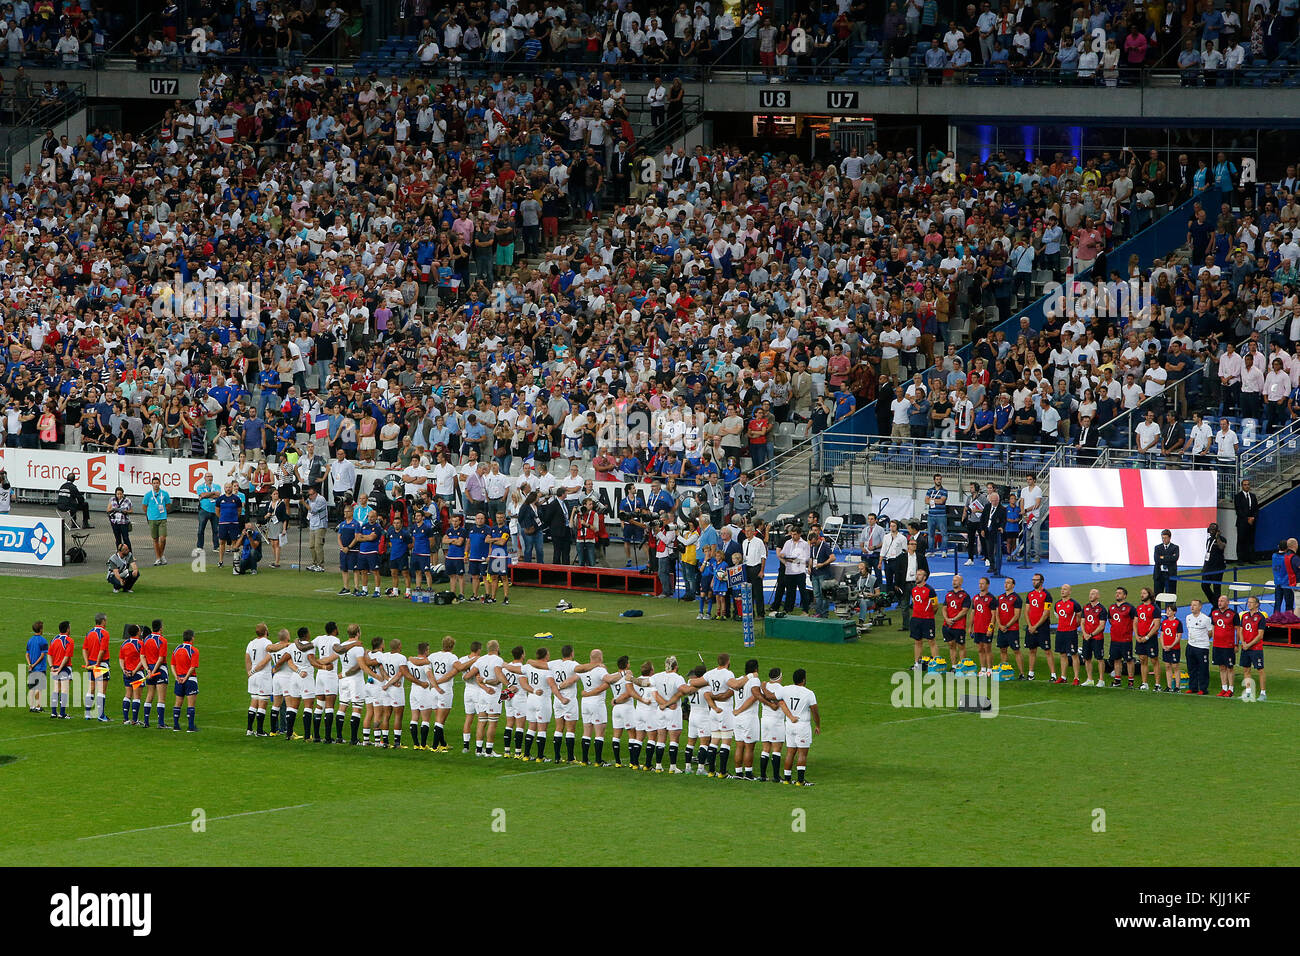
{"x":1115,"y":515}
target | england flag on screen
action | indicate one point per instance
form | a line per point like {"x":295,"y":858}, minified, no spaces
{"x":1115,"y":515}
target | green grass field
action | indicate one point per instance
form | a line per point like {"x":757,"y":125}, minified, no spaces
{"x":1181,"y":781}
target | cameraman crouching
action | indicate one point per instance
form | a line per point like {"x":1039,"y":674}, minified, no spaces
{"x":248,"y":549}
{"x":122,"y":569}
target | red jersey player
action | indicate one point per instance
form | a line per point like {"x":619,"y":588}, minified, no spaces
{"x":1146,"y":627}
{"x":1008,"y":616}
{"x":982,"y":616}
{"x":1094,"y":639}
{"x":1068,"y":614}
{"x":1038,"y":625}
{"x":924,"y":604}
{"x":154,"y":651}
{"x":61,"y":651}
{"x":1121,"y":636}
{"x":1225,"y":635}
{"x":956,"y":611}
{"x":1252,"y":644}
{"x":94,"y":655}
{"x":185,"y":667}
{"x":1171,"y":632}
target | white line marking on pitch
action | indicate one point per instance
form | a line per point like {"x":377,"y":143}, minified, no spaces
{"x":1052,"y":720}
{"x":528,"y":773}
{"x":185,"y":823}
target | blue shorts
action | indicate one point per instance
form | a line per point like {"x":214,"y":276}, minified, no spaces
{"x":477,"y":566}
{"x":63,"y":673}
{"x":366,"y":562}
{"x":922,"y":628}
{"x":633,"y":535}
{"x":1254,"y":657}
{"x":187,"y":688}
{"x":400,"y":564}
{"x":160,"y":678}
{"x":129,"y":677}
{"x":228,"y":533}
{"x":419,"y":562}
{"x":455,"y":565}
{"x":108,"y":671}
{"x":345,"y":561}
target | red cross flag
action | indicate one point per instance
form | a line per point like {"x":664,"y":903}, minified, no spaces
{"x":1115,"y":515}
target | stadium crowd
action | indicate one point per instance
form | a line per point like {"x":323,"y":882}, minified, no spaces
{"x":914,"y":40}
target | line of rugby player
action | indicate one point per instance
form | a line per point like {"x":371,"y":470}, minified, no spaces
{"x":318,"y":680}
{"x":144,"y":662}
{"x":1140,"y":638}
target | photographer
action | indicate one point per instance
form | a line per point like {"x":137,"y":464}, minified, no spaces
{"x":122,"y":570}
{"x":665,"y":538}
{"x":119,"y":517}
{"x":6,"y":492}
{"x":248,"y":550}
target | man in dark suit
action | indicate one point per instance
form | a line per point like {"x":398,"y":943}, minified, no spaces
{"x":993,"y":523}
{"x":1173,"y":439}
{"x":1087,"y":440}
{"x":556,"y":514}
{"x":1247,"y":508}
{"x":620,"y":171}
{"x":1166,"y":564}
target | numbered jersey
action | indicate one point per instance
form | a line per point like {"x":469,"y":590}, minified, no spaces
{"x":323,"y":647}
{"x":440,"y":665}
{"x":666,"y":684}
{"x":562,"y":671}
{"x":392,"y":665}
{"x":592,"y":679}
{"x":485,"y":669}
{"x":799,"y":701}
{"x":743,"y":694}
{"x":718,"y":678}
{"x":299,"y":655}
{"x":418,"y":671}
{"x":619,"y":688}
{"x":535,"y":678}
{"x":468,"y":675}
{"x":257,"y":652}
{"x":512,"y":684}
{"x":771,"y":711}
{"x":352,"y":662}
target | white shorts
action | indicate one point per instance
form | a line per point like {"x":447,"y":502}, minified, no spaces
{"x":396,"y":696}
{"x":701,"y":722}
{"x":443,"y":700}
{"x":327,"y":683}
{"x":304,"y":687}
{"x":594,"y":710}
{"x":259,"y":684}
{"x":798,"y":735}
{"x":421,"y":698}
{"x":746,"y":725}
{"x":539,"y":709}
{"x":624,"y":716}
{"x":723,"y":723}
{"x":517,"y":706}
{"x":282,"y":683}
{"x":352,"y":690}
{"x":567,"y":711}
{"x":470,"y":698}
{"x":489,"y":701}
{"x":374,"y":694}
{"x":670,"y":719}
{"x":646,"y":718}
{"x":772,"y":729}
